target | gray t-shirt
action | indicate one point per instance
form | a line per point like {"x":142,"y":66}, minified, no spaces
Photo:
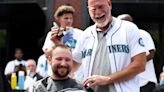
{"x":102,"y":64}
{"x":49,"y":85}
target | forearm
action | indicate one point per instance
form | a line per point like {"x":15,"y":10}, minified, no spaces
{"x":136,"y":67}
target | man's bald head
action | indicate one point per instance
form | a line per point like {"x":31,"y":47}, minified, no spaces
{"x":126,"y":17}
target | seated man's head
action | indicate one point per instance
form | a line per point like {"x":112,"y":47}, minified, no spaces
{"x":31,"y":65}
{"x":64,"y":15}
{"x":61,"y":61}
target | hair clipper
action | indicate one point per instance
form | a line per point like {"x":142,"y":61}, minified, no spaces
{"x":60,"y":30}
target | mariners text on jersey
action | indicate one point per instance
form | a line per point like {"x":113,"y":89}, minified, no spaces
{"x":112,"y":49}
{"x":86,"y":52}
{"x":118,"y":48}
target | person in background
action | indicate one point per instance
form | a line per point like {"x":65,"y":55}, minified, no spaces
{"x":43,"y":67}
{"x":15,"y":65}
{"x":32,"y":75}
{"x":110,"y":51}
{"x":148,"y":80}
{"x":69,"y":35}
{"x":161,"y":77}
{"x":31,"y":69}
{"x":61,"y":64}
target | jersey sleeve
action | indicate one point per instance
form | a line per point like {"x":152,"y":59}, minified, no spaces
{"x":136,"y":44}
{"x":149,"y":44}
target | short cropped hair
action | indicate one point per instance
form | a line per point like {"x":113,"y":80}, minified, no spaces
{"x":63,"y":9}
{"x":63,"y":46}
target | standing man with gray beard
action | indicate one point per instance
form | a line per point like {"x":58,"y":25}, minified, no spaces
{"x":111,"y":52}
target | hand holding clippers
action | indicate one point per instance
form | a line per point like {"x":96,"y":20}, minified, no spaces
{"x":60,"y":30}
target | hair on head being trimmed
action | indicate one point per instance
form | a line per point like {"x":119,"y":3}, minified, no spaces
{"x":62,"y":46}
